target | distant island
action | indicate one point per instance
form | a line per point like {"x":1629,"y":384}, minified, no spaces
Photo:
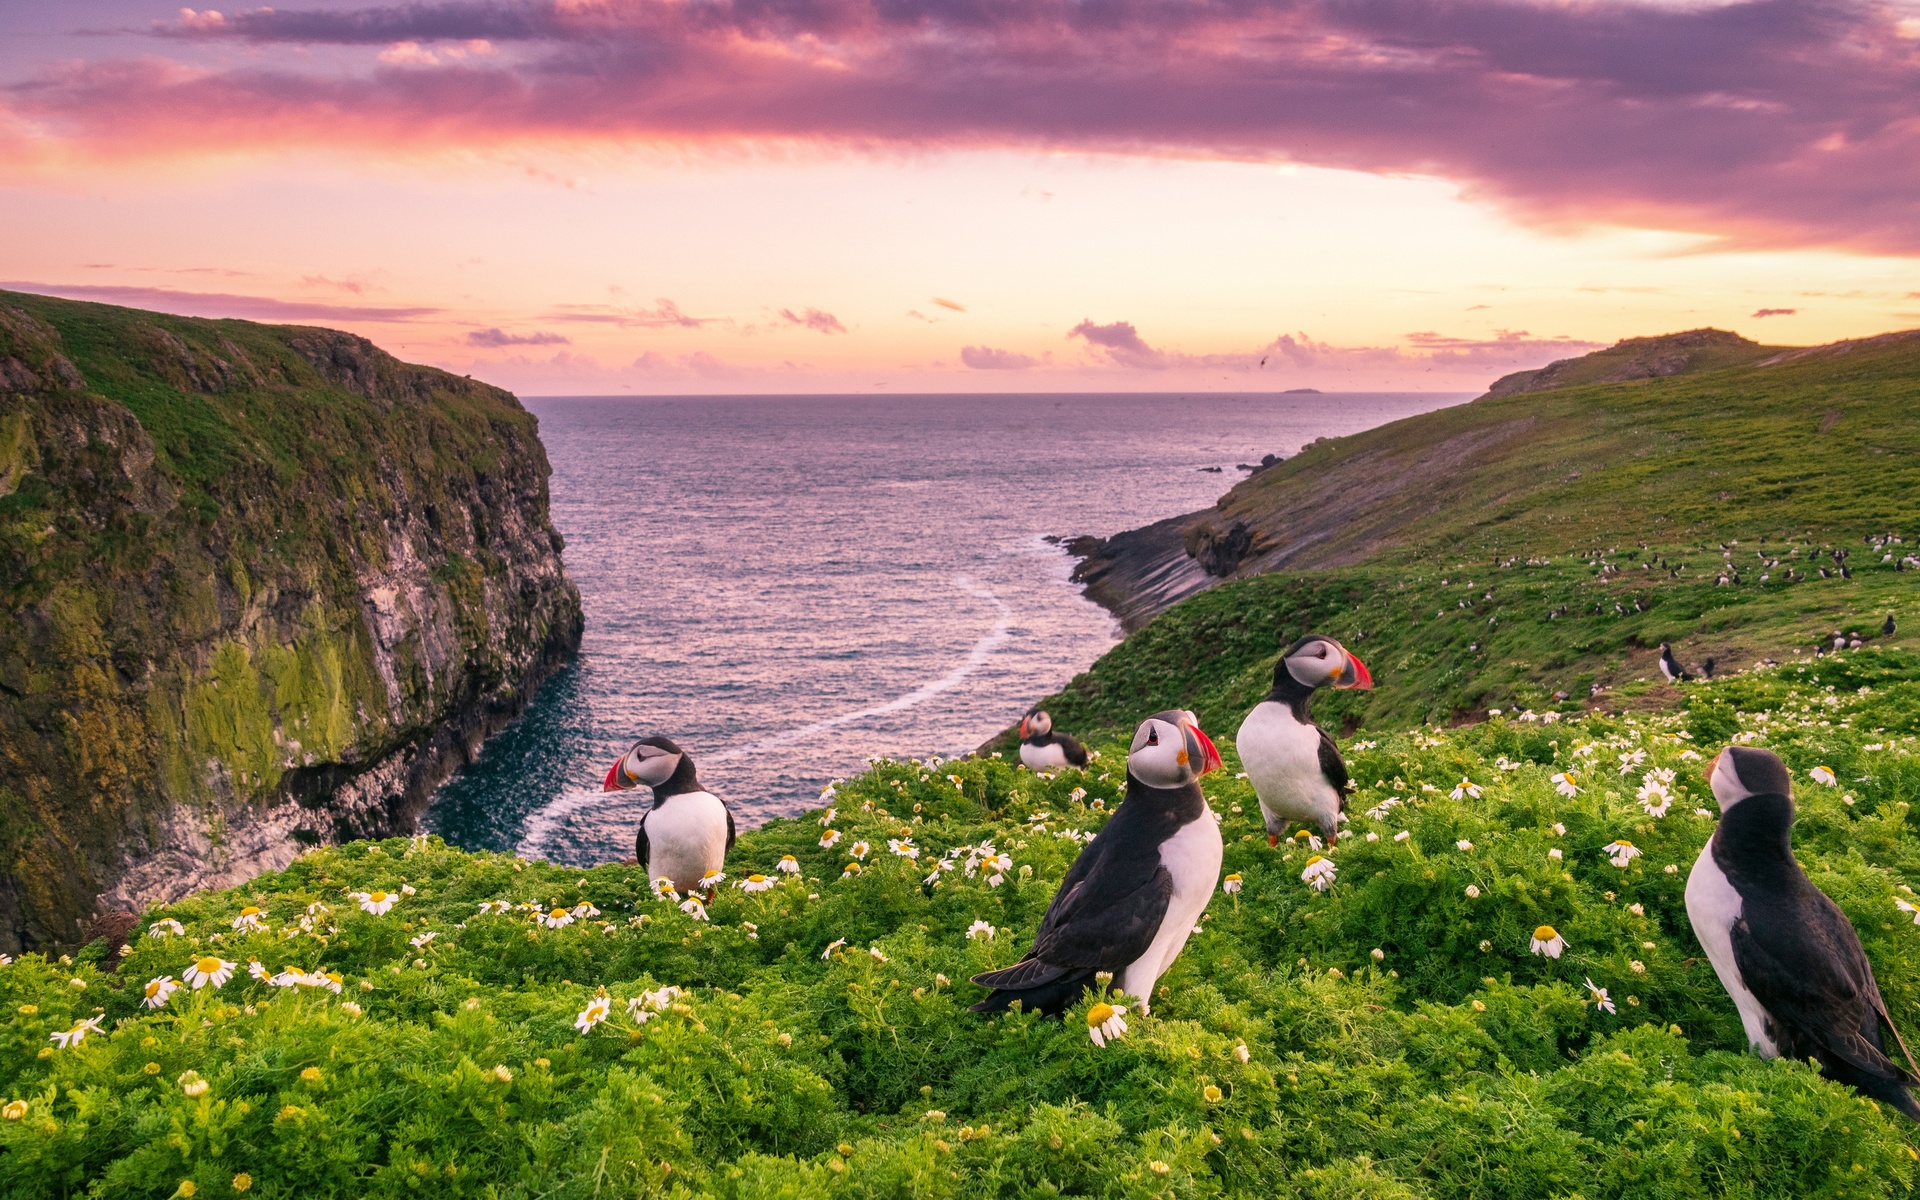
{"x":1301,"y":392}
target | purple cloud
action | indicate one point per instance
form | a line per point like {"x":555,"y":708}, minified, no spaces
{"x":986,"y":358}
{"x":814,"y":319}
{"x":222,"y":304}
{"x":1122,"y":342}
{"x":500,"y":337}
{"x":664,"y":313}
{"x":1774,"y":312}
{"x":1764,"y":121}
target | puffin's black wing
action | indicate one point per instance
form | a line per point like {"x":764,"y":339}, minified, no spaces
{"x":1814,"y":980}
{"x":1071,"y":747}
{"x":1105,"y":915}
{"x":640,"y":843}
{"x":1333,"y":767}
{"x":729,"y":809}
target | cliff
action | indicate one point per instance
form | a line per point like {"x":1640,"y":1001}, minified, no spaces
{"x":264,"y":586}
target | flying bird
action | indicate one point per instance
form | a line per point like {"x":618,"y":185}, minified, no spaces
{"x":1784,"y":951}
{"x":687,"y":833}
{"x":1294,"y":767}
{"x":1042,"y":749}
{"x":1128,"y":904}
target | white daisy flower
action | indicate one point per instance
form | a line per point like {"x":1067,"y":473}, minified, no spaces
{"x":1547,"y":941}
{"x":73,"y":1037}
{"x":831,"y":947}
{"x":420,"y":943}
{"x":1638,"y":910}
{"x":1621,"y":852}
{"x":250,"y":918}
{"x":1559,"y":829}
{"x":350,"y":1008}
{"x":1403,"y":835}
{"x":1106,"y":1022}
{"x":1311,"y":839}
{"x":903,"y":847}
{"x":1319,"y":873}
{"x":1555,"y":854}
{"x":829,"y":839}
{"x":1242,"y":1053}
{"x":1231,"y":883}
{"x":663,"y":889}
{"x":1473,"y":891}
{"x":754,"y":883}
{"x":157,"y":991}
{"x":1600,"y":997}
{"x":257,"y":971}
{"x":166,"y":927}
{"x":1078,"y":794}
{"x":559,"y":918}
{"x":694,"y":908}
{"x":1565,"y":783}
{"x":1466,"y":787}
{"x":712,"y":879}
{"x":585,"y":911}
{"x":291,"y":977}
{"x":659,"y":999}
{"x":494,"y":906}
{"x":788,"y":865}
{"x":1904,"y":907}
{"x":859,"y":849}
{"x":851,"y":869}
{"x":594,"y":1013}
{"x":192,"y":1084}
{"x":1372,"y":836}
{"x":208,"y":971}
{"x":980,"y":929}
{"x":1825,"y":776}
{"x":874,"y":951}
{"x":406,"y":889}
{"x":827,"y":817}
{"x":1464,"y":846}
{"x":377,"y":903}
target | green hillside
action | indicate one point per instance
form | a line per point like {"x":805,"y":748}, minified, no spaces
{"x":1401,"y":1036}
{"x":1436,"y":547}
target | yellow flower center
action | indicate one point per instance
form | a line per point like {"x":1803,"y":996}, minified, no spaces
{"x":1624,"y":844}
{"x":1545,"y":933}
{"x":1302,"y":834}
{"x":1234,"y":877}
{"x":1316,"y":858}
{"x":1100,"y":1014}
{"x":1568,"y":777}
{"x":207,"y":966}
{"x":378,"y":897}
{"x":249,"y":911}
{"x":558,"y":913}
{"x":756,"y":879}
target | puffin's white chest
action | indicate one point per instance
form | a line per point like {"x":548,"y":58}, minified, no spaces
{"x":686,"y":838}
{"x":1192,"y":857}
{"x":1282,"y":758}
{"x":1050,"y":757}
{"x":1713,"y":906}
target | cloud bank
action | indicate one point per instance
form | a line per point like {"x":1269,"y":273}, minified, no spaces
{"x":1767,"y":122}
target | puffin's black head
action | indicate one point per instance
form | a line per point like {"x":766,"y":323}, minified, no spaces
{"x":1317,"y":661}
{"x":1170,"y":751}
{"x":1036,"y":724}
{"x":1741,"y":771}
{"x":651,"y":762}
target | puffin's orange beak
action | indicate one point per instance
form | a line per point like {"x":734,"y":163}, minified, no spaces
{"x":614,"y":782}
{"x":1712,"y":765}
{"x":1023,"y":726}
{"x":1209,"y":756}
{"x":1359,"y":677}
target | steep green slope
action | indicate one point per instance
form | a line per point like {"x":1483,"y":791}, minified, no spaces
{"x":1396,"y":1035}
{"x":263,"y":587}
{"x":1498,"y":552}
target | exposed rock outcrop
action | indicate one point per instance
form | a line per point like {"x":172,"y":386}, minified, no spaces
{"x":264,"y":588}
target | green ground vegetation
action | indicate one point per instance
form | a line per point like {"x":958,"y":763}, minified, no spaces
{"x":804,"y":1034}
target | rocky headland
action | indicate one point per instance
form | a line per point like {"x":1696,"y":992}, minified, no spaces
{"x":265,"y":587}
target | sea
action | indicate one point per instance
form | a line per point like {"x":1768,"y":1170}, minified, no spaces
{"x":787,"y":586}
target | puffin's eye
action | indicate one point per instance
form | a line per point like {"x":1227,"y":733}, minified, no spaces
{"x":1153,"y":737}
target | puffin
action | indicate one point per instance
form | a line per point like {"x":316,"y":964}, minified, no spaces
{"x":1294,"y":767}
{"x":1670,"y":666}
{"x":1888,"y":628}
{"x":1784,"y":951}
{"x":1041,"y":749}
{"x":1129,"y":902}
{"x":688,"y":831}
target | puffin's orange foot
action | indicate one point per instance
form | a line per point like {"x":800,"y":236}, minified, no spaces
{"x":1273,"y":839}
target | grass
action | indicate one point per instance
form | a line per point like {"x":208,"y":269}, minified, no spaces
{"x":1401,"y":1039}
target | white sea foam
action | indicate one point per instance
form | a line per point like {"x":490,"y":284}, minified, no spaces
{"x":536,"y":836}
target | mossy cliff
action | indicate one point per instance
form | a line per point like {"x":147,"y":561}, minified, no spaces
{"x":264,"y":587}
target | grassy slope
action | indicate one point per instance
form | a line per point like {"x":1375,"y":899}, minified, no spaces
{"x":1456,"y":1063}
{"x":1381,"y":546}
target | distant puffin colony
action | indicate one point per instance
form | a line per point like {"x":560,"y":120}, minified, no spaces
{"x":1786,"y":954}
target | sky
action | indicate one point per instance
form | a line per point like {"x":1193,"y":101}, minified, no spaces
{"x":689,"y":196}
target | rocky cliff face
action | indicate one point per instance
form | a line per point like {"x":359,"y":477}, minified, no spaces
{"x":264,"y":587}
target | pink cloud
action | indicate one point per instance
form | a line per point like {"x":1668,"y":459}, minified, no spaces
{"x":1765,"y":121}
{"x":499,"y":337}
{"x":814,"y":319}
{"x":986,"y":358}
{"x":224,"y":304}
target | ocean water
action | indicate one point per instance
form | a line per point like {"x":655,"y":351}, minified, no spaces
{"x":787,"y":585}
